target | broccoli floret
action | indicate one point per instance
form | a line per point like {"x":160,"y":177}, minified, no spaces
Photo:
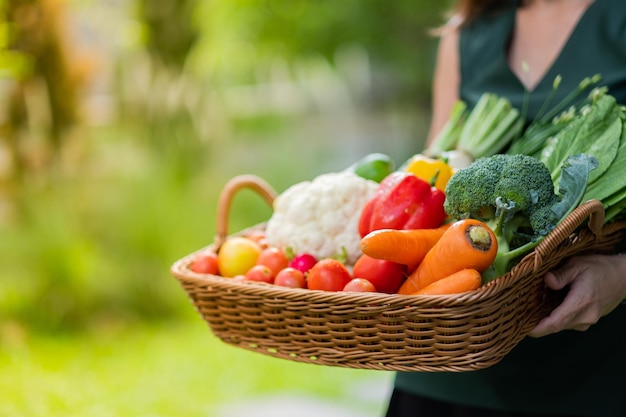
{"x":515,"y":196}
{"x":544,"y":219}
{"x":473,"y":191}
{"x":519,"y":179}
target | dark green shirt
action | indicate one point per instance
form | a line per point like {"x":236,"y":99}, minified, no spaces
{"x":573,"y":373}
{"x":596,"y":46}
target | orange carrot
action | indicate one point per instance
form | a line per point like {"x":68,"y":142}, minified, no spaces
{"x":407,"y":247}
{"x":467,"y":243}
{"x":461,"y":281}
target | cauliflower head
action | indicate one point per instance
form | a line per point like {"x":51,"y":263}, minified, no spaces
{"x":321,"y":216}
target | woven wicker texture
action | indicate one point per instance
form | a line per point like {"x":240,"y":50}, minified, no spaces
{"x":451,"y":333}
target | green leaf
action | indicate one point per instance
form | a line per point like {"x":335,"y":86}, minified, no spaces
{"x":613,"y":180}
{"x":605,"y":148}
{"x":575,"y":174}
{"x":595,"y":131}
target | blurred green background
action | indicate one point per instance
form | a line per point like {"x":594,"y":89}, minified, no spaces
{"x":121,"y":121}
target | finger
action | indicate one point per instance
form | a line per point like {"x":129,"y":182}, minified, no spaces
{"x":558,"y":279}
{"x":543,"y":328}
{"x":562,"y":317}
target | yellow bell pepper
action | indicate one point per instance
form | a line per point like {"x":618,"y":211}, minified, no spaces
{"x":429,"y":169}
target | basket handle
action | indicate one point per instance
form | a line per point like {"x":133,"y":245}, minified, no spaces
{"x":227,"y":195}
{"x":592,"y":209}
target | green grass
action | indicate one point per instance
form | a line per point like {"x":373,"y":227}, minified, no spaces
{"x":170,"y":369}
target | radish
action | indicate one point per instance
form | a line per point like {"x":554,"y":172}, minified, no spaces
{"x":303,"y":262}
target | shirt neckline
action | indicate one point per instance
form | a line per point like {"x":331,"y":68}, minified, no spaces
{"x":548,"y":75}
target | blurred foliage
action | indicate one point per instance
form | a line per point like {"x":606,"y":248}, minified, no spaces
{"x":282,"y":89}
{"x":236,"y":34}
{"x":170,"y":36}
{"x":41,"y":96}
{"x":13,"y":64}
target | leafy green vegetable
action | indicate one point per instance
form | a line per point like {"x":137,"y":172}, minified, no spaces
{"x":595,"y":130}
{"x":575,"y":175}
{"x":613,"y":178}
{"x":616,"y":211}
{"x":610,"y":188}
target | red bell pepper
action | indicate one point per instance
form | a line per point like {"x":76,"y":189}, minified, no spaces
{"x":403,"y":201}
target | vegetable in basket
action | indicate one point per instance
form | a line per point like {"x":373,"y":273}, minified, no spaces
{"x":466,"y":244}
{"x":610,"y":187}
{"x":403,"y":201}
{"x":374,"y":166}
{"x":595,"y":130}
{"x":458,"y":282}
{"x":549,"y":122}
{"x":487,"y":129}
{"x":434,"y":170}
{"x":515,"y":196}
{"x":237,"y":255}
{"x":406,"y":247}
{"x":320,"y":217}
{"x":386,"y":276}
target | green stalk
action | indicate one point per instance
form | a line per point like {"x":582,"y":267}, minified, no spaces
{"x":497,"y":139}
{"x":526,"y":99}
{"x":582,"y":86}
{"x":489,"y":122}
{"x":555,"y":86}
{"x":534,"y":138}
{"x":448,"y":137}
{"x":485,"y":103}
{"x":504,"y":258}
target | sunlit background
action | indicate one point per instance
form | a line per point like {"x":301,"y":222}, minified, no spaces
{"x":120,"y":121}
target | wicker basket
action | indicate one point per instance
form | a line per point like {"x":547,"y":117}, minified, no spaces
{"x":386,"y":331}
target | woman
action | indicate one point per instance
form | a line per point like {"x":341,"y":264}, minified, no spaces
{"x":575,"y":362}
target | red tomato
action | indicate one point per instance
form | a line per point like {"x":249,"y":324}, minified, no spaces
{"x":359,"y":285}
{"x":328,"y":275}
{"x":290,"y":277}
{"x":386,"y":276}
{"x":274,"y":258}
{"x":205,"y":263}
{"x":260,"y":273}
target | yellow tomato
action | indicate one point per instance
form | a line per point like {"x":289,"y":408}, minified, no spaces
{"x":237,"y":255}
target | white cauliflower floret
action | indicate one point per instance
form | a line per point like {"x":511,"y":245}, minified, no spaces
{"x":321,"y":217}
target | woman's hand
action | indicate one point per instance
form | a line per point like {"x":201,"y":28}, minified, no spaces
{"x":597,"y":284}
